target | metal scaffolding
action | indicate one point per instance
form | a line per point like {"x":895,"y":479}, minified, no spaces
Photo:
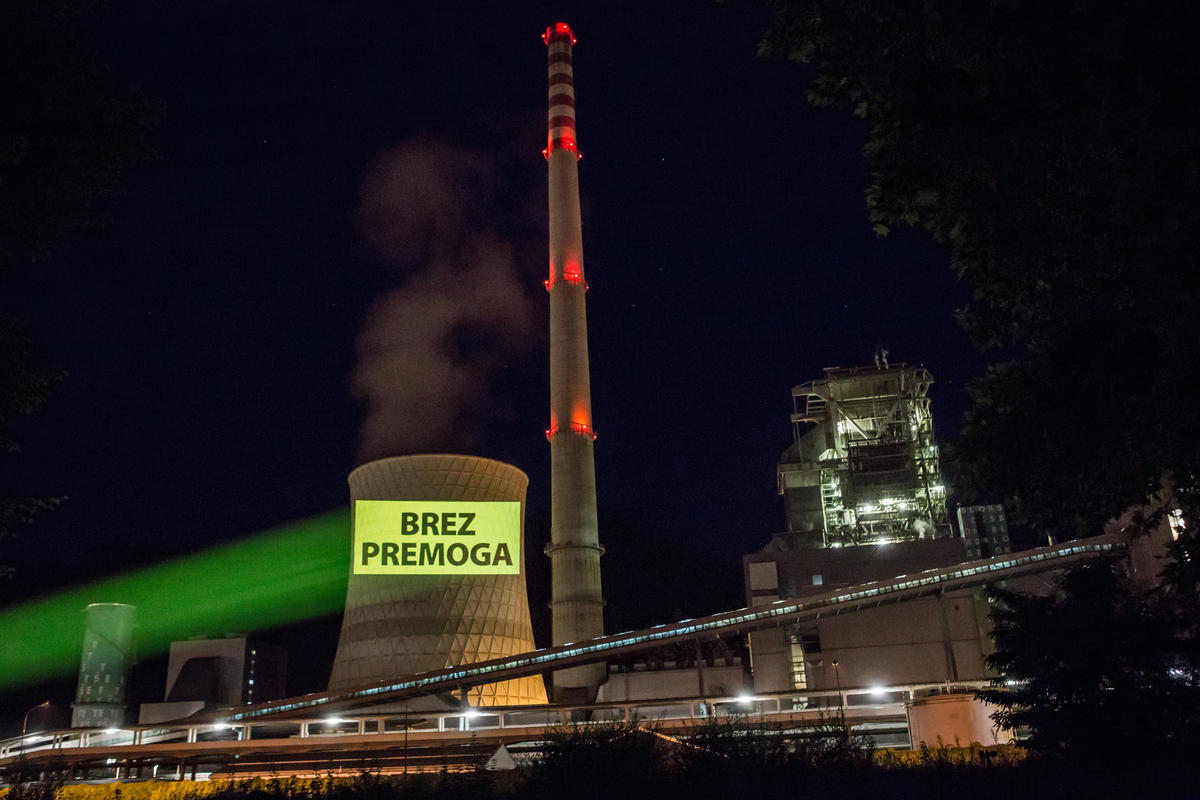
{"x":864,"y":468}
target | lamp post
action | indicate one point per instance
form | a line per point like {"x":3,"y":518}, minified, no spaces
{"x":837,"y":676}
{"x":24,"y":730}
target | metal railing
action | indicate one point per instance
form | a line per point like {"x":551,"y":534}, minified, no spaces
{"x":861,"y":706}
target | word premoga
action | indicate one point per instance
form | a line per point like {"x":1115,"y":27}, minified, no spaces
{"x":409,"y":537}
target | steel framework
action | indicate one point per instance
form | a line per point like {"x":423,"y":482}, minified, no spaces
{"x":864,"y":438}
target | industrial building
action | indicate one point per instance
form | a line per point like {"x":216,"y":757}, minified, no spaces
{"x":403,"y":624}
{"x":864,"y":465}
{"x":373,"y":726}
{"x":104,"y":667}
{"x":859,"y":590}
{"x":863,"y":501}
{"x":204,"y":674}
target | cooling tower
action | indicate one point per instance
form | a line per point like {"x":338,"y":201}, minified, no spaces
{"x":104,"y":668}
{"x":400,"y":624}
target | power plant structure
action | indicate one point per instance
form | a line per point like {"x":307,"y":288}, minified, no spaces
{"x":104,"y":668}
{"x":864,"y":465}
{"x":406,"y":614}
{"x":866,"y":598}
{"x":864,"y":501}
{"x":420,"y":618}
{"x":215,"y":673}
{"x":577,"y":603}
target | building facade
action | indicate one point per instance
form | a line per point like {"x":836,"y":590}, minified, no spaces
{"x":218,"y":673}
{"x":864,"y":501}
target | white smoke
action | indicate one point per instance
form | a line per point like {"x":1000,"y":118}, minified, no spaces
{"x":428,"y":347}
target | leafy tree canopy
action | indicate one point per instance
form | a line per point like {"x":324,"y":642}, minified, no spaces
{"x":1048,"y":145}
{"x":1098,"y":667}
{"x":67,"y":134}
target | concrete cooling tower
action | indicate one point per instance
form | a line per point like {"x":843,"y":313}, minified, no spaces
{"x":409,"y":606}
{"x":104,"y":668}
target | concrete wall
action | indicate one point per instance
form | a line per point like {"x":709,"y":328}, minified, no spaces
{"x":154,"y":713}
{"x":920,"y":641}
{"x":660,"y":684}
{"x":902,"y":643}
{"x":896,"y":644}
{"x":228,"y":655}
{"x":798,"y":567}
{"x":769,"y":660}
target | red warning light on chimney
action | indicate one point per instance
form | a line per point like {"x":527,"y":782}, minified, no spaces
{"x":560,"y":28}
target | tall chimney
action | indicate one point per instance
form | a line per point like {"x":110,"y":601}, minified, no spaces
{"x":576,"y":602}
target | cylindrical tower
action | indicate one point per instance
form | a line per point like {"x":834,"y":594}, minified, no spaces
{"x":402,"y":624}
{"x":576,"y":603}
{"x":104,"y":668}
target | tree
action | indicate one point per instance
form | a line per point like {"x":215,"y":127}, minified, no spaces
{"x":1095,"y":668}
{"x":600,"y":760}
{"x":1046,"y":144}
{"x":67,"y":135}
{"x":23,"y":388}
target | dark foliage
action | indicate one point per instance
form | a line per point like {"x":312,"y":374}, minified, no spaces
{"x":1046,"y":143}
{"x":1098,"y":669}
{"x":23,"y":388}
{"x":601,"y":760}
{"x":734,"y":776}
{"x":725,"y":757}
{"x":730,"y":756}
{"x":46,"y":788}
{"x":67,"y":135}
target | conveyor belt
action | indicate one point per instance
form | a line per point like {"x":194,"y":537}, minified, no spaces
{"x":855,"y":598}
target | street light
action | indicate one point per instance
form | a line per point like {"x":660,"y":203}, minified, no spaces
{"x":837,"y":676}
{"x":24,"y":729}
{"x":841,"y":701}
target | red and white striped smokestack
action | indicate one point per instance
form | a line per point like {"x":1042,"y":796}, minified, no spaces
{"x":576,"y":602}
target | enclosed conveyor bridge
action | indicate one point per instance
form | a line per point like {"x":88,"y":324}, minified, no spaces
{"x":850,"y":599}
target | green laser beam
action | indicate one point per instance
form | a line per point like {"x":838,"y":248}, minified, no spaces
{"x":294,"y":572}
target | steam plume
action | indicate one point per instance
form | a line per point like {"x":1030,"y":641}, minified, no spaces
{"x":427,"y":348}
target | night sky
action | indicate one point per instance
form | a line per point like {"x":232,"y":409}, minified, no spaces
{"x":338,"y":255}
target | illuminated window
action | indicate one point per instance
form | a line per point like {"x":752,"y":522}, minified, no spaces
{"x":818,"y":580}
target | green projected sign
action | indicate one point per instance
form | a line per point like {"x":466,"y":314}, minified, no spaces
{"x":419,"y":537}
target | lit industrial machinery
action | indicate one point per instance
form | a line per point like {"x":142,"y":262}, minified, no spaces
{"x":576,"y":602}
{"x":865,"y":502}
{"x":402,"y":624}
{"x":863,"y":468}
{"x":104,"y":668}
